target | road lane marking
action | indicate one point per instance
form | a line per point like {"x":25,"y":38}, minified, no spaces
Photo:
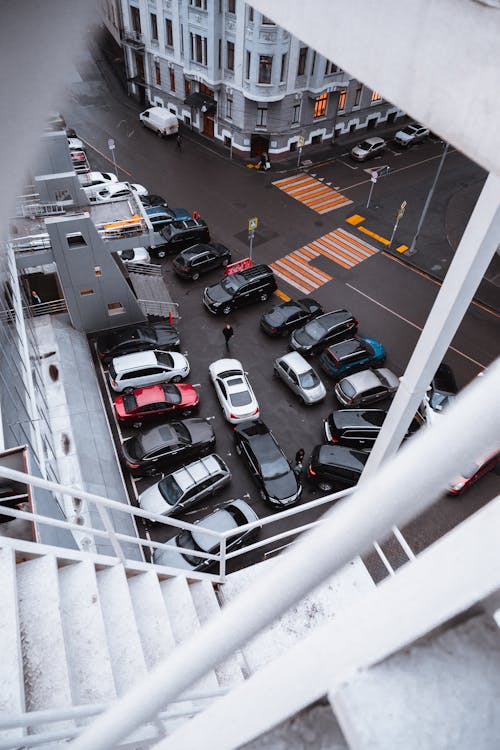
{"x":94,"y":148}
{"x":312,"y":192}
{"x":375,"y":236}
{"x":412,"y":324}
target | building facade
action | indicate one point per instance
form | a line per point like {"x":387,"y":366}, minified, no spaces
{"x":231,"y":73}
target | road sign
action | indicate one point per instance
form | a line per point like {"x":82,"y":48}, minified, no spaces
{"x":240,"y":265}
{"x":403,"y":205}
{"x":374,"y":177}
{"x":111,"y":144}
{"x":302,"y":140}
{"x":253,"y":224}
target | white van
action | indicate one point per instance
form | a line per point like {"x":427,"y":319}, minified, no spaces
{"x":160,"y":120}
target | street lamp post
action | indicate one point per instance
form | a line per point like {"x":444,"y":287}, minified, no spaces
{"x":411,"y":249}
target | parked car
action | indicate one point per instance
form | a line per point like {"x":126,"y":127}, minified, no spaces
{"x":323,"y":330}
{"x":271,"y":471}
{"x":336,"y":467}
{"x":198,"y":259}
{"x":161,"y":216}
{"x":359,"y":428}
{"x":137,"y":255}
{"x":92,"y":182}
{"x":156,"y":402}
{"x":366,"y":387}
{"x":283,"y":318}
{"x":75,"y":144}
{"x":183,"y":488}
{"x":118,"y":191}
{"x":227,"y":517}
{"x":440,"y":394}
{"x":137,"y":338}
{"x":179,"y":235}
{"x":146,"y":368}
{"x":473,"y":472}
{"x":166,"y":446}
{"x":412,"y":133}
{"x":233,"y":390}
{"x":351,"y":355}
{"x":368,"y":148}
{"x":151,"y":199}
{"x":254,"y":284}
{"x":300,"y":377}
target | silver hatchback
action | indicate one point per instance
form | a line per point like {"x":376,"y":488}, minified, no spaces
{"x":300,"y":377}
{"x":366,"y":387}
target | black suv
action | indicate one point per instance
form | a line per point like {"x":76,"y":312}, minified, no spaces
{"x":359,"y":428}
{"x":323,"y":330}
{"x":193,"y":261}
{"x":336,"y":467}
{"x":250,"y":285}
{"x":137,"y":338}
{"x":278,"y":484}
{"x":179,"y":235}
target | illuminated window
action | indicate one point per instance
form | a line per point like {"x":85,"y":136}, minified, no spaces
{"x":265,"y":68}
{"x":320,"y":105}
{"x":98,"y":270}
{"x":157,"y":74}
{"x":342,"y":98}
{"x":376,"y":97}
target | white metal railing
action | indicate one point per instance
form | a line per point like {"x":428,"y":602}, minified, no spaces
{"x":161,"y":309}
{"x":44,"y":308}
{"x":149,"y":269}
{"x":403,"y":487}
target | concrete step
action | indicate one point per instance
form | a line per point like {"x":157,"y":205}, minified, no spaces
{"x":89,"y":661}
{"x":207,"y":606}
{"x":46,"y":674}
{"x":184,"y":621}
{"x":125,"y":650}
{"x":151,"y":616}
{"x":11,"y":661}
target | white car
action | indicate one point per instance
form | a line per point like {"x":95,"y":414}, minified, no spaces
{"x":146,"y":368}
{"x":118,"y":191}
{"x":92,"y":182}
{"x":233,"y":391}
{"x":75,"y":144}
{"x":368,"y":148}
{"x":412,"y":133}
{"x":137,"y":255}
{"x":300,"y":377}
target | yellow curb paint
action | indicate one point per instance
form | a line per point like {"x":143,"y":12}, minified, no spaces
{"x":402,"y":248}
{"x":355,"y":219}
{"x":375,"y":236}
{"x":282,"y":295}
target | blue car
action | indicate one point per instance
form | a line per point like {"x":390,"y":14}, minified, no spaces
{"x":160,"y":216}
{"x":351,"y":355}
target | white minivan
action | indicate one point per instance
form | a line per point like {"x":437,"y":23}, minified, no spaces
{"x":146,"y":368}
{"x":160,"y":120}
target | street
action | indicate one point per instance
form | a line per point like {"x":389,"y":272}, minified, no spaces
{"x":390,"y":296}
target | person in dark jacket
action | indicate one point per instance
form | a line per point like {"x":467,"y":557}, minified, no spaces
{"x":227,"y":332}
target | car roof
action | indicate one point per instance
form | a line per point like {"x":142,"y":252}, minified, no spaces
{"x":346,"y":347}
{"x":151,"y":394}
{"x":136,"y":359}
{"x":296,"y":361}
{"x":362,"y":380}
{"x":156,"y":437}
{"x":374,"y":140}
{"x":197,"y":471}
{"x":340,"y":455}
{"x":345,"y":418}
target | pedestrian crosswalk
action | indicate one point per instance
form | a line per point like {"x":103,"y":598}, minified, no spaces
{"x":313,"y":193}
{"x":341,"y":247}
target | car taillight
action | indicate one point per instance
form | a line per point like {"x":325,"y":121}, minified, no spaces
{"x":113,"y":382}
{"x":233,"y":416}
{"x":133,"y":466}
{"x":256,"y":411}
{"x":356,"y":322}
{"x":334,"y":439}
{"x":311,"y":471}
{"x":102,"y":355}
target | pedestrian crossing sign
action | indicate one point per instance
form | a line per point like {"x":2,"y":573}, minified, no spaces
{"x":253,"y":224}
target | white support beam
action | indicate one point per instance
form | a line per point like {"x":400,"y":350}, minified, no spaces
{"x":438,"y":60}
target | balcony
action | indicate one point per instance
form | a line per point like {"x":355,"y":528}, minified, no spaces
{"x":133,"y":39}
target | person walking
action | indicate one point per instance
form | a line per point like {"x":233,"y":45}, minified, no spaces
{"x":299,"y":463}
{"x":179,"y":141}
{"x":228,"y":332}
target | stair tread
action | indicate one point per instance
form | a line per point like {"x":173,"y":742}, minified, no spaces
{"x":89,"y":660}
{"x":207,"y":606}
{"x":46,"y":675}
{"x":151,"y":615}
{"x":125,"y":650}
{"x":11,"y":669}
{"x":184,"y":620}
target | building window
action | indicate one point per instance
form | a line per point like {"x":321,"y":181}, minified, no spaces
{"x":342,"y":98}
{"x":250,"y":14}
{"x":265,"y":68}
{"x":330,"y":68}
{"x":75,"y":240}
{"x":187,"y":87}
{"x":261,"y":117}
{"x":295,"y":114}
{"x":376,"y":96}
{"x":154,"y":26}
{"x":313,"y":64}
{"x":199,"y":4}
{"x":249,"y":60}
{"x":115,"y":308}
{"x":220,"y":53}
{"x":230,"y":56}
{"x":157,"y":74}
{"x":229,"y":108}
{"x":357,"y":95}
{"x":169,"y":35}
{"x":320,"y":105}
{"x":136,"y":20}
{"x":199,"y":49}
{"x":84,"y":292}
{"x":231,"y":6}
{"x":172,"y":79}
{"x":302,"y":61}
{"x":283,"y":68}
{"x":267,"y":21}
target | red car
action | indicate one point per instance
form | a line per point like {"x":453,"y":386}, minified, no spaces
{"x":156,"y":402}
{"x":476,"y":470}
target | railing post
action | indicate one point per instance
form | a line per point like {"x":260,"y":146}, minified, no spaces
{"x":104,"y":514}
{"x":222,"y":563}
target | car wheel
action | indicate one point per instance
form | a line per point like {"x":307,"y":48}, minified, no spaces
{"x":195,"y":276}
{"x":176,"y":379}
{"x":264,"y":297}
{"x":325,"y":486}
{"x":161,"y":253}
{"x":224,"y":262}
{"x":226,"y":310}
{"x":238,"y":450}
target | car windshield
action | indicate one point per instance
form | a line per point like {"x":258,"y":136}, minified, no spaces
{"x":347,"y":388}
{"x":232,"y":283}
{"x":129,"y":402}
{"x":365,"y":146}
{"x":315,"y":330}
{"x":182,"y":432}
{"x":169,"y":490}
{"x":172,"y":394}
{"x":409,"y":130}
{"x":240,"y":398}
{"x":439,"y":401}
{"x":275,"y":468}
{"x":309,"y":379}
